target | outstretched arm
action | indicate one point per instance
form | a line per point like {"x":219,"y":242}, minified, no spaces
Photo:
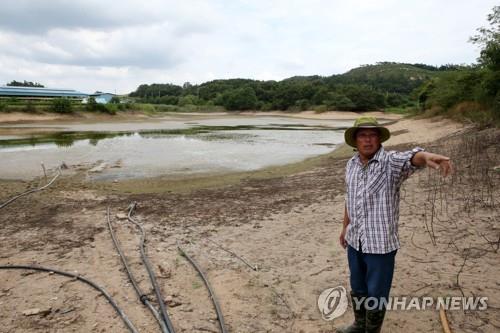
{"x":434,"y":161}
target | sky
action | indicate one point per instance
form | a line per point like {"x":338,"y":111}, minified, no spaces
{"x":114,"y":46}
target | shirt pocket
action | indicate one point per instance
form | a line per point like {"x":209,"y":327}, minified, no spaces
{"x":377,"y":182}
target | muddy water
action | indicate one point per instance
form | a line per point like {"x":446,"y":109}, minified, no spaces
{"x":164,"y":147}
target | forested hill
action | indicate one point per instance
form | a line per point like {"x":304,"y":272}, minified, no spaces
{"x":368,"y":87}
{"x":394,"y":77}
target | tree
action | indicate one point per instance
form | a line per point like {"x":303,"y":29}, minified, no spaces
{"x":365,"y":88}
{"x":364,"y":97}
{"x":157,"y":90}
{"x":489,"y":40}
{"x":188,"y":100}
{"x":91,"y":104}
{"x":321,"y":96}
{"x":394,"y":99}
{"x":289,"y":91}
{"x":15,"y":83}
{"x":340,"y":102}
{"x":239,"y":99}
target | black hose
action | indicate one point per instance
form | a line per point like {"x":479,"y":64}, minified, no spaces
{"x":209,"y":287}
{"x":118,"y":310}
{"x":254,"y":268}
{"x":142,"y":297}
{"x":163,"y":308}
{"x":31,"y":191}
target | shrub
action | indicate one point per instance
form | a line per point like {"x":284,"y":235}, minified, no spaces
{"x":302,"y":104}
{"x":115,"y":100}
{"x":320,"y":109}
{"x":109,"y":108}
{"x":93,"y":106}
{"x":30,"y":107}
{"x":266,"y":107}
{"x":144,"y":107}
{"x":125,"y":106}
{"x":471,"y":112}
{"x":188,"y":100}
{"x":61,"y":105}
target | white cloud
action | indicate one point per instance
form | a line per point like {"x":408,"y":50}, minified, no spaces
{"x":102,"y":45}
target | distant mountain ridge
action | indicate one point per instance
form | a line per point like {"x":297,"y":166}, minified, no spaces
{"x":368,"y":87}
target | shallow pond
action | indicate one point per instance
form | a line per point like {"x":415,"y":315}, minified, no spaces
{"x":165,"y":147}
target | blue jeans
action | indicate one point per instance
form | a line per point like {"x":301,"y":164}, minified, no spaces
{"x":371,"y":274}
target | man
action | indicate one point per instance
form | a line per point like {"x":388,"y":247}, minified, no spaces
{"x":370,"y":228}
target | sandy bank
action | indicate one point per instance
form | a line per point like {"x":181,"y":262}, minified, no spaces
{"x":22,"y":117}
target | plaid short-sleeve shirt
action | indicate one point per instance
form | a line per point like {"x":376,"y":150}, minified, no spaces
{"x":372,"y":199}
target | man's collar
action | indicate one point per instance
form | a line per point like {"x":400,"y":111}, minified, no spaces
{"x":377,"y":157}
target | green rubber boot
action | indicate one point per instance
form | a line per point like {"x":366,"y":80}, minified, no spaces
{"x":374,"y":320}
{"x":359,"y":324}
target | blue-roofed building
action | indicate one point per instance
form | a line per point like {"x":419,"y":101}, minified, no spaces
{"x":39,"y":93}
{"x":99,"y":97}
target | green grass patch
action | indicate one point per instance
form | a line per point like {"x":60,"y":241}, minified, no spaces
{"x":405,"y":111}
